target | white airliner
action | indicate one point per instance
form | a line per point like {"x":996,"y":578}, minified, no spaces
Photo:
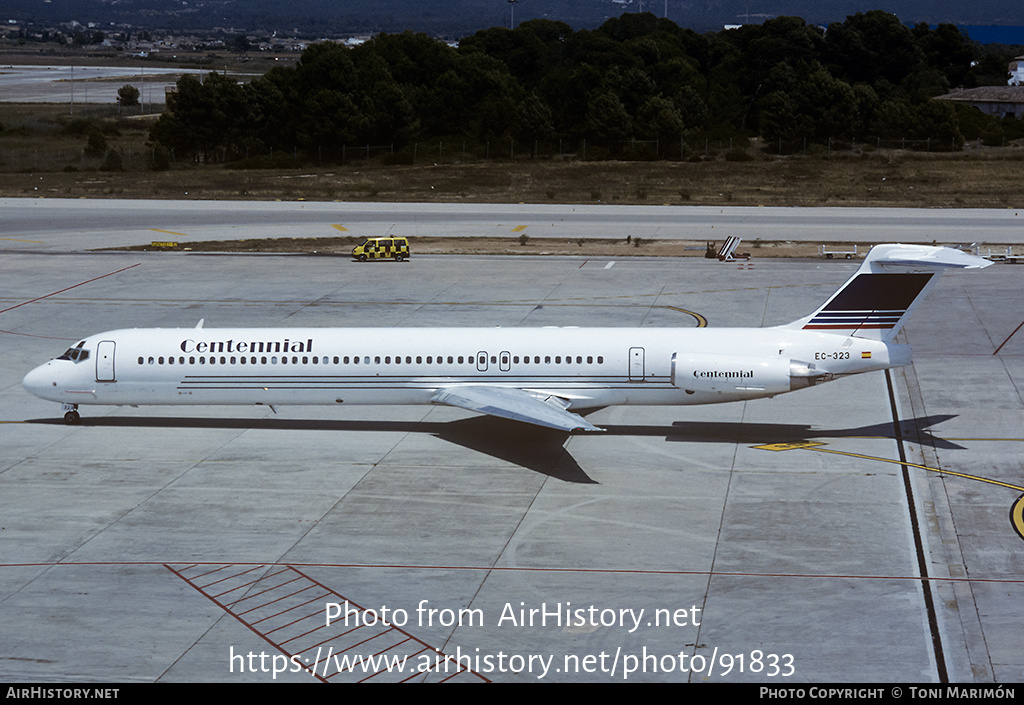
{"x":535,"y":375}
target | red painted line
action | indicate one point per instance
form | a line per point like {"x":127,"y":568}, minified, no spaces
{"x":314,"y":615}
{"x":69,"y":288}
{"x":369,"y":639}
{"x":246,"y":624}
{"x":628,"y":571}
{"x":243,"y":585}
{"x":412,"y":657}
{"x":460,"y":671}
{"x":283,"y":597}
{"x":525,"y":569}
{"x":423,"y":650}
{"x":278,"y":614}
{"x":394,"y":646}
{"x":263,"y":592}
{"x":373,"y":675}
{"x":33,"y":335}
{"x":215,"y":570}
{"x":299,"y":636}
{"x":1008,"y":338}
{"x":336,"y":636}
{"x":207,"y":586}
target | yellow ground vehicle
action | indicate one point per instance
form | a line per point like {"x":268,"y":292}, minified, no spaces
{"x":396,"y":248}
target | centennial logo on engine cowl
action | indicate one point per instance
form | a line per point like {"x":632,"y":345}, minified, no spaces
{"x":726,"y":374}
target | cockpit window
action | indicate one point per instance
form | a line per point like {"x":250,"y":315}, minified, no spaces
{"x":75,"y":354}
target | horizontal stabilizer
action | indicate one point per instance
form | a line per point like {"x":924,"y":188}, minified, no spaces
{"x":515,"y":404}
{"x":892,"y":280}
{"x":922,"y":257}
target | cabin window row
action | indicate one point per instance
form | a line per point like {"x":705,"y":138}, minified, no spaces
{"x":365,"y":360}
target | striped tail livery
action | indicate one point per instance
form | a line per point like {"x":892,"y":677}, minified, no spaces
{"x":893,"y":279}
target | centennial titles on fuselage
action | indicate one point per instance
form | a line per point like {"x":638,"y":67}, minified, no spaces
{"x":231,"y":346}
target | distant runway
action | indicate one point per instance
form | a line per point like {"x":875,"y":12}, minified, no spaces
{"x":77,"y":225}
{"x":86,"y":84}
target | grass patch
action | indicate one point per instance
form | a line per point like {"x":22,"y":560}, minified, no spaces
{"x":45,"y":151}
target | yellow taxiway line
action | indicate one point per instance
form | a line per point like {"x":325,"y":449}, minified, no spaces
{"x":1016,"y":511}
{"x":813,"y":445}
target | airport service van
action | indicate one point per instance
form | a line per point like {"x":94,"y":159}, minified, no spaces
{"x":396,"y":248}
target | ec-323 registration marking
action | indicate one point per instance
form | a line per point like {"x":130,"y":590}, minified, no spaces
{"x":837,"y":355}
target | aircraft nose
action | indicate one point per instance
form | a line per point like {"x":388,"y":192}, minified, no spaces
{"x":41,"y":382}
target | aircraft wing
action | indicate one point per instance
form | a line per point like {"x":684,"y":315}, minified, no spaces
{"x":515,"y":404}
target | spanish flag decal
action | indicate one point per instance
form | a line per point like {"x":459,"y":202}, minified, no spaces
{"x":865,"y":355}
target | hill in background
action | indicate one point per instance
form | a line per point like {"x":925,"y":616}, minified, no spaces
{"x":457,"y":18}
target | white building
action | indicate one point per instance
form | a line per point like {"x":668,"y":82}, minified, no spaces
{"x":1000,"y":101}
{"x":1016,"y":72}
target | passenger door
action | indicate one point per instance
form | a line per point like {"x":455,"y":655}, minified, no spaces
{"x":636,"y":364}
{"x":105,"y":361}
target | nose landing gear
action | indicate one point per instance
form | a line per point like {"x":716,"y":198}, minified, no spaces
{"x":71,"y":416}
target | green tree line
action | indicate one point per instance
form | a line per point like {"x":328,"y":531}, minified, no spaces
{"x":635,"y":78}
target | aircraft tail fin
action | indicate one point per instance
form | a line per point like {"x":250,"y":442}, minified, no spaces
{"x":892,"y":280}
